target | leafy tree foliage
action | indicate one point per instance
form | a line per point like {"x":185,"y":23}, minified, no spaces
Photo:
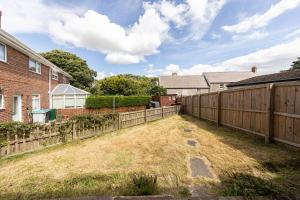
{"x":296,"y":64}
{"x":128,"y":85}
{"x":83,"y":76}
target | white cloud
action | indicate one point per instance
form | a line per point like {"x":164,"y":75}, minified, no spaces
{"x":274,"y":58}
{"x":194,"y":70}
{"x":202,"y":14}
{"x":216,"y":36}
{"x":151,"y":69}
{"x":261,"y":20}
{"x":102,"y":75}
{"x":293,"y":34}
{"x":256,"y":35}
{"x":96,"y":32}
{"x":171,"y":12}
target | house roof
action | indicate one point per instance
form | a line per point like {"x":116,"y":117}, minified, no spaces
{"x":289,"y":75}
{"x":187,"y":81}
{"x":16,"y":44}
{"x":66,"y":89}
{"x":227,"y":77}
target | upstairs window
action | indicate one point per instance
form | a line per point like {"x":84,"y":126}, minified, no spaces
{"x":2,"y":52}
{"x":1,"y":101}
{"x":222,"y":86}
{"x":34,"y":66}
{"x":54,"y":75}
{"x":36,"y":102}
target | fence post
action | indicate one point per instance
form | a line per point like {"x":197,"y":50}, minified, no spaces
{"x":199,"y":106}
{"x":119,"y":121}
{"x":16,"y":143}
{"x":270,"y":113}
{"x":74,"y":130}
{"x":162,"y":112}
{"x":145,"y":115}
{"x":192,"y":103}
{"x":8,"y":144}
{"x":219,"y":109}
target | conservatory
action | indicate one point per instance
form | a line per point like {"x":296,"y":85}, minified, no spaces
{"x":68,"y":96}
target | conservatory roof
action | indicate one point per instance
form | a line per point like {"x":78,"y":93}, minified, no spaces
{"x":62,"y":89}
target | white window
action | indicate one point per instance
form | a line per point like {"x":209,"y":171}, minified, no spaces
{"x":54,"y":75}
{"x":36,"y":102}
{"x":34,"y":66}
{"x":2,"y":52}
{"x":222,"y":86}
{"x":173,"y":98}
{"x":1,"y":101}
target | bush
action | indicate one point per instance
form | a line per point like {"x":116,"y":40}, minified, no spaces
{"x":184,"y":192}
{"x":94,"y":101}
{"x":248,"y":186}
{"x":142,"y":184}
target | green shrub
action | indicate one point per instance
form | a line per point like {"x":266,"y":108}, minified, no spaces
{"x":248,"y":186}
{"x":94,"y":101}
{"x":142,"y":184}
{"x":184,"y":192}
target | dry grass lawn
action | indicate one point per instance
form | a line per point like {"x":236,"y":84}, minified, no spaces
{"x":102,"y":165}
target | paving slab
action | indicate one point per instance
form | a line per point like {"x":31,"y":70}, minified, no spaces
{"x":200,"y":167}
{"x":187,"y":130}
{"x":192,"y":143}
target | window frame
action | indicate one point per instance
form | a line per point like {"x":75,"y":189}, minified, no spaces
{"x":5,"y":52}
{"x":222,"y":86}
{"x":53,"y":75}
{"x":2,"y":102}
{"x":36,"y":63}
{"x":39,"y":98}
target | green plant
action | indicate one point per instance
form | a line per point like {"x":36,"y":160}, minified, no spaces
{"x":247,"y":185}
{"x":95,"y":101}
{"x":184,"y":192}
{"x":143,"y":184}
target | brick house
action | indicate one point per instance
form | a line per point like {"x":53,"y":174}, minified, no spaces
{"x":26,"y":79}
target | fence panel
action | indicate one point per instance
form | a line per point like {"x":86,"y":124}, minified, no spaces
{"x":209,"y":106}
{"x":169,"y":111}
{"x":132,"y":118}
{"x":287,"y":113}
{"x":188,"y":105}
{"x":196,"y":108}
{"x":153,"y":114}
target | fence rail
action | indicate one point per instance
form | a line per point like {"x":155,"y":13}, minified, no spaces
{"x":50,"y":134}
{"x":271,"y":110}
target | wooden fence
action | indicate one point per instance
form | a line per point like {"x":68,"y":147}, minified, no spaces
{"x":49,"y":134}
{"x":271,"y":111}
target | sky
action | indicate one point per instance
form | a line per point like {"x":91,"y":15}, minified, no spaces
{"x":160,"y":37}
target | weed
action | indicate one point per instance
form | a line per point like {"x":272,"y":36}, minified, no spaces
{"x":142,"y":184}
{"x":184,"y":192}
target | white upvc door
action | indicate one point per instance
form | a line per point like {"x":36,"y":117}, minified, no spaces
{"x":17,"y":108}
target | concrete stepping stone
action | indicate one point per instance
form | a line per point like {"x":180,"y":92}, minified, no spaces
{"x":188,"y":130}
{"x":201,"y":167}
{"x":192,"y":142}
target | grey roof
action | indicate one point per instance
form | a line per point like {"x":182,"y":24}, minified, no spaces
{"x":16,"y":44}
{"x":288,"y":75}
{"x":187,"y":81}
{"x":67,"y":89}
{"x":228,"y":77}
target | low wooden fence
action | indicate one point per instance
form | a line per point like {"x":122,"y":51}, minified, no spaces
{"x":50,"y":134}
{"x":271,"y":110}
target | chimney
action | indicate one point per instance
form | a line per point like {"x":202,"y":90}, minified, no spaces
{"x":0,"y":18}
{"x":254,"y":69}
{"x":174,"y":73}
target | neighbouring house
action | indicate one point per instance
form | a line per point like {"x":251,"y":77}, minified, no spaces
{"x":218,"y":81}
{"x":165,"y":100}
{"x":284,"y":76}
{"x":199,"y":84}
{"x":184,"y":85}
{"x":26,"y":80}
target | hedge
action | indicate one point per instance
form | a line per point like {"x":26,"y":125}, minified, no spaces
{"x":120,"y":101}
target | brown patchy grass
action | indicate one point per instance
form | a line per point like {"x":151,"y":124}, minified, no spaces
{"x":101,"y":165}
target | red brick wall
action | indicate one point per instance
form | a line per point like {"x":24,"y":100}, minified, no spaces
{"x":70,"y":112}
{"x":16,"y":79}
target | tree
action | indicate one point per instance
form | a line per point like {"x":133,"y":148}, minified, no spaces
{"x":157,"y":90}
{"x":128,"y":85}
{"x":296,"y":64}
{"x":83,"y":76}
